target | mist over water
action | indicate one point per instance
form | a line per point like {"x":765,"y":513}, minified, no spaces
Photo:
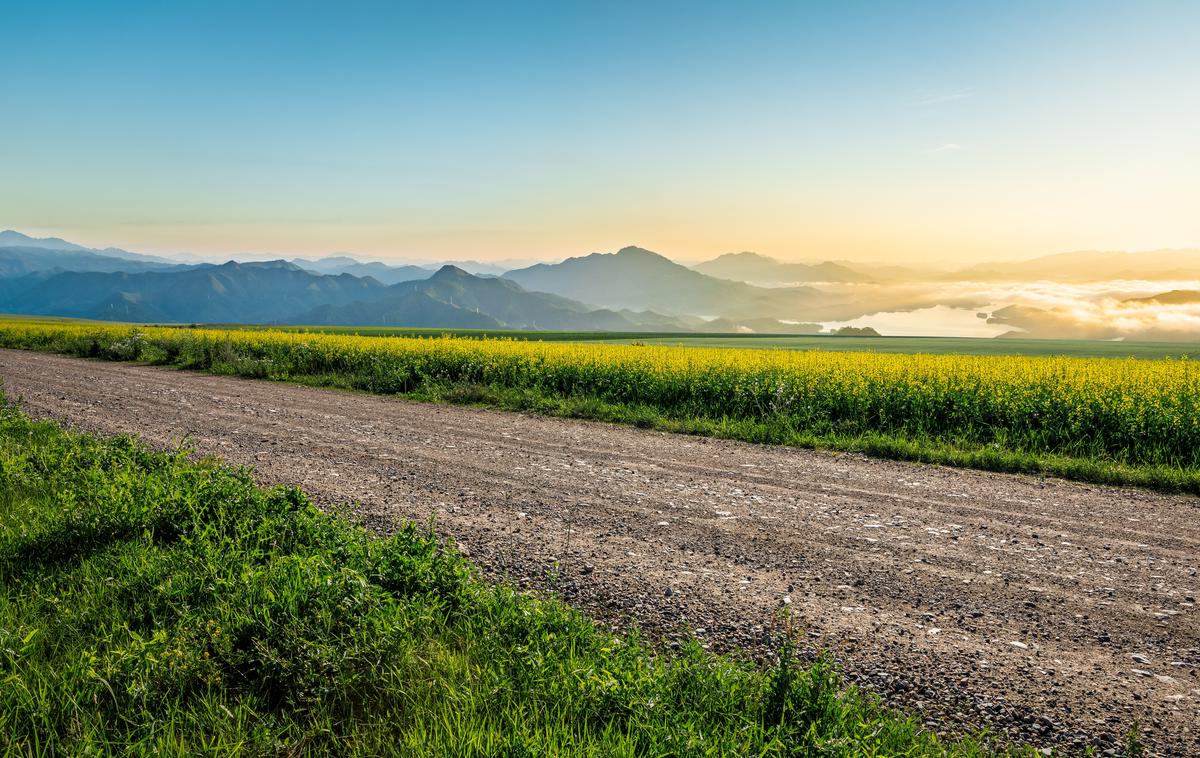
{"x":938,"y":321}
{"x":1116,"y":309}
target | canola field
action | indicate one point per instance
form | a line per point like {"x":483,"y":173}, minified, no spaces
{"x":1098,"y":419}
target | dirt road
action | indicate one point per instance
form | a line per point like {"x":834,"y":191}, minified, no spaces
{"x":1051,"y":611}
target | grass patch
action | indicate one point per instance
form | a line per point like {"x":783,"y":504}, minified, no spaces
{"x":153,"y":604}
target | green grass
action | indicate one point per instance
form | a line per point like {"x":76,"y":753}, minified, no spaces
{"x":150,"y":604}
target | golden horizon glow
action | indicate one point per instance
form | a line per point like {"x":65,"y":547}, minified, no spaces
{"x":923,"y":135}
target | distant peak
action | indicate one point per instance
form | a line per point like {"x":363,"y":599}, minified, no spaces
{"x":635,"y":250}
{"x":10,"y":237}
{"x":745,"y":254}
{"x":640,"y":255}
{"x":450,"y":270}
{"x":281,"y":264}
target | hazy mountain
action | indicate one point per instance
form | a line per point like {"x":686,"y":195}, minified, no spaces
{"x":10,"y":238}
{"x":890,"y":273}
{"x":762,"y":270}
{"x":1091,"y":266}
{"x":630,"y":290}
{"x":415,"y":309}
{"x":20,"y":261}
{"x":228,"y":293}
{"x":453,"y":298}
{"x":639,"y":279}
{"x":344,"y":264}
{"x":1174,"y":297}
{"x":479,"y":268}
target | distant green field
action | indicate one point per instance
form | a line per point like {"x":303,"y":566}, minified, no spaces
{"x":51,"y":319}
{"x":932,"y":345}
{"x":929,"y":345}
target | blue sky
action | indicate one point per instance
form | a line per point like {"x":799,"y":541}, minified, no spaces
{"x":803,"y":130}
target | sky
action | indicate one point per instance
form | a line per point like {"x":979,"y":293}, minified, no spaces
{"x":899,"y":132}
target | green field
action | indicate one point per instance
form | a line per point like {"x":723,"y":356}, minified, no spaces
{"x":150,"y":604}
{"x":914,"y":345}
{"x":930,"y":345}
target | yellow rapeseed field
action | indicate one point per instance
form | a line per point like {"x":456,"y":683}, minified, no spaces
{"x":1138,"y":412}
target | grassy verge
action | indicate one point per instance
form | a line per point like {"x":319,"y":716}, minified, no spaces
{"x":152,"y":604}
{"x":1115,"y":422}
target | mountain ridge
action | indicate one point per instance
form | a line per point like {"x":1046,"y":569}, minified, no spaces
{"x":213,"y":293}
{"x":640,"y":279}
{"x":344,"y":264}
{"x":762,"y":270}
{"x":455,"y":298}
{"x":10,"y":238}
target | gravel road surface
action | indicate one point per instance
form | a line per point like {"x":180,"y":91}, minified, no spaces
{"x":1045,"y":610}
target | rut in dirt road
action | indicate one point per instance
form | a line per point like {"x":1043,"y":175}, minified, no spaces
{"x":1053,"y":612}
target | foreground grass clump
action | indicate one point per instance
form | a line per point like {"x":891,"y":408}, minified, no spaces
{"x":149,"y":604}
{"x":1102,"y":420}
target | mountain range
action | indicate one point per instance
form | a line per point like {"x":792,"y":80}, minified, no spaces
{"x":632,"y":289}
{"x":457,"y":299}
{"x":382,"y":272}
{"x":228,"y":293}
{"x":636,"y":278}
{"x":22,"y":260}
{"x":10,"y":239}
{"x":764,"y":271}
{"x":78,"y":282}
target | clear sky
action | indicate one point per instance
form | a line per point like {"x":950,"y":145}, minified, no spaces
{"x":899,"y":131}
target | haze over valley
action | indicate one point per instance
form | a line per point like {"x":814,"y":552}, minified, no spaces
{"x":1083,"y":295}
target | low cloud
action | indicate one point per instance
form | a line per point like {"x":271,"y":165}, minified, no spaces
{"x":1105,"y":320}
{"x":1102,"y":310}
{"x":1137,"y":310}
